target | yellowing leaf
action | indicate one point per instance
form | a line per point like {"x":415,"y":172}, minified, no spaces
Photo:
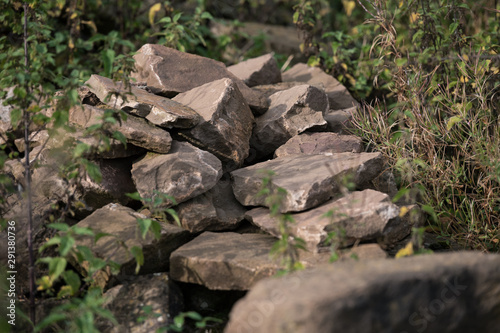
{"x":406,"y":251}
{"x":344,"y":66}
{"x":414,"y":17}
{"x":401,"y":4}
{"x":465,"y":57}
{"x":403,"y":210}
{"x":73,"y":16}
{"x":348,"y":6}
{"x":494,"y":70}
{"x":71,"y":44}
{"x":91,"y":24}
{"x":463,"y":79}
{"x":152,"y":12}
{"x":452,"y":121}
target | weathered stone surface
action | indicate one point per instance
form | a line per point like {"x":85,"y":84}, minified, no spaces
{"x":433,"y":293}
{"x":158,"y":110}
{"x":121,"y":224}
{"x":168,"y":72}
{"x":290,"y":112}
{"x":355,"y":253}
{"x":127,"y":301}
{"x":338,"y":96}
{"x":136,"y":130}
{"x":224,"y":261}
{"x":5,"y":123}
{"x":362,"y":215}
{"x":309,"y":180}
{"x":227,"y":121}
{"x":214,"y":210}
{"x":184,"y":173}
{"x":36,"y":139}
{"x":340,"y":121}
{"x":320,"y":143}
{"x":257,"y":71}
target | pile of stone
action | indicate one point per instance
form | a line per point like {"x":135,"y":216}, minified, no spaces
{"x":203,"y":136}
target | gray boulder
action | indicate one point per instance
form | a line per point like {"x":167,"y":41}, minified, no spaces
{"x":257,"y":71}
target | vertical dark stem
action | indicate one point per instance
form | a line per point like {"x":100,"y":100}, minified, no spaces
{"x":27,"y":173}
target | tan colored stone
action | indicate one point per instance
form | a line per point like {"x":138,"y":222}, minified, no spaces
{"x":257,"y":71}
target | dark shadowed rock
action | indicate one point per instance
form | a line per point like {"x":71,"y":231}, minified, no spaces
{"x":338,"y":96}
{"x":214,"y":210}
{"x":184,"y":173}
{"x":158,"y":110}
{"x":121,"y":224}
{"x":320,"y":143}
{"x":364,"y":215}
{"x":226,"y":124}
{"x":290,"y":112}
{"x":456,"y":292}
{"x":136,"y":130}
{"x":309,"y":180}
{"x":168,"y":72}
{"x":257,"y":71}
{"x":224,"y":261}
{"x":127,"y":302}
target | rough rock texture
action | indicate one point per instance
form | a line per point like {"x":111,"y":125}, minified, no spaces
{"x":456,"y":292}
{"x":320,"y":143}
{"x":127,"y":301}
{"x":257,"y":71}
{"x":227,"y":121}
{"x":121,"y":224}
{"x":184,"y":173}
{"x":5,"y":123}
{"x":339,"y":121}
{"x":309,"y":180}
{"x":168,"y":72}
{"x":224,"y":261}
{"x":36,"y":139}
{"x":338,"y":95}
{"x":159,"y":110}
{"x":290,"y":112}
{"x":363,"y":215}
{"x":136,"y":130}
{"x":214,"y":210}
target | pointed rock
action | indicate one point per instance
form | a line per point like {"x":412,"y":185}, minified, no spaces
{"x":120,"y":223}
{"x":224,"y":261}
{"x":309,"y":180}
{"x":184,"y":173}
{"x":455,"y":292}
{"x":364,"y":215}
{"x":290,"y":112}
{"x":227,"y":121}
{"x":340,"y":121}
{"x":257,"y":71}
{"x":168,"y":72}
{"x":158,"y":110}
{"x":320,"y":143}
{"x":214,"y":210}
{"x":338,"y":96}
{"x":136,"y":130}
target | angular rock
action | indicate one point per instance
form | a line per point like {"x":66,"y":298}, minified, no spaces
{"x":363,"y":215}
{"x":36,"y":139}
{"x":338,"y":96}
{"x":168,"y":72}
{"x":136,"y":130}
{"x":224,"y":261}
{"x":121,"y":224}
{"x":455,"y":292}
{"x":340,"y":121}
{"x":5,"y":123}
{"x":355,"y":253}
{"x":257,"y":71}
{"x":320,"y":143}
{"x":290,"y":112}
{"x":158,"y":110}
{"x":214,"y":210}
{"x":184,"y":173}
{"x":227,"y":121}
{"x":309,"y":180}
{"x":127,"y":301}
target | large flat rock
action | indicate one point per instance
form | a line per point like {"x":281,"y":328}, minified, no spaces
{"x":455,"y":292}
{"x":338,"y":95}
{"x":136,"y":130}
{"x":226,"y":124}
{"x":291,"y":112}
{"x":224,"y":261}
{"x":309,"y":180}
{"x":257,"y":71}
{"x":184,"y":173}
{"x":168,"y":72}
{"x":362,"y":215}
{"x":121,"y":224}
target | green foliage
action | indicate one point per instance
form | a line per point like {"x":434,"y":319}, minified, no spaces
{"x":180,"y":320}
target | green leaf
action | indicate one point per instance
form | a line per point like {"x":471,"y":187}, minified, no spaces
{"x":120,"y":137}
{"x":93,"y":170}
{"x":73,"y":280}
{"x":134,"y":196}
{"x":139,"y":257}
{"x":56,"y":267}
{"x":144,"y":225}
{"x":452,"y":121}
{"x":108,"y":57}
{"x":66,"y":245}
{"x":59,"y":226}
